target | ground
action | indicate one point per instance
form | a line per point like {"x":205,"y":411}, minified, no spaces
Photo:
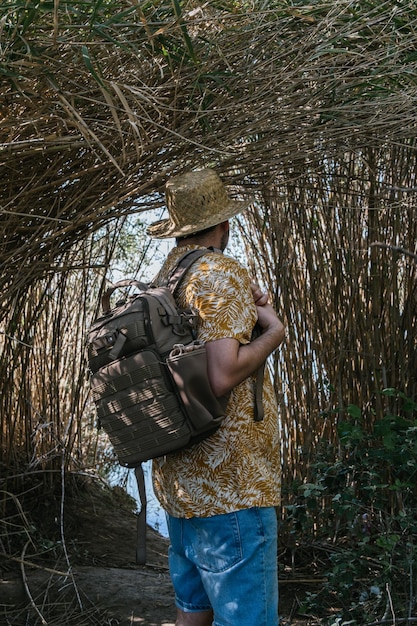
{"x":90,"y":577}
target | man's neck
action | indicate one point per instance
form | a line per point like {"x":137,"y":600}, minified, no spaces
{"x":216,"y":238}
{"x":204,"y":242}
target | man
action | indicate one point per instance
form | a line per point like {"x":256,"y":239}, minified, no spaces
{"x":220,"y":495}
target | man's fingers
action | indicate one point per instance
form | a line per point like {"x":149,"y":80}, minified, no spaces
{"x":259,"y":297}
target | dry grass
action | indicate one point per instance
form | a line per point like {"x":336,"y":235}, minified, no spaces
{"x":309,"y":108}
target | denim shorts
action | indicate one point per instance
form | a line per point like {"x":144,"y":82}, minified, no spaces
{"x":227,"y":563}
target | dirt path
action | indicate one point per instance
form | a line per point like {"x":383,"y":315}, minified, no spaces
{"x":104,"y":586}
{"x":122,"y":596}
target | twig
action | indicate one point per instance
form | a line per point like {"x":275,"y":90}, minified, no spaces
{"x":389,"y":621}
{"x":303,"y":581}
{"x":15,"y":339}
{"x":21,"y":512}
{"x":398,"y":249}
{"x":411,"y":583}
{"x":391,"y":606}
{"x":64,"y":545}
{"x":30,"y":564}
{"x":26,"y":586}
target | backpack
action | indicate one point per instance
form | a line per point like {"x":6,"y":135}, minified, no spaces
{"x":149,"y":373}
{"x":148,"y":376}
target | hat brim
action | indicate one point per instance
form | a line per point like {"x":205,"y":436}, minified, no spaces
{"x":163,"y":229}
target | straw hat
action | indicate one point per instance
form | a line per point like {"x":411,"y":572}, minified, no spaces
{"x":195,"y":201}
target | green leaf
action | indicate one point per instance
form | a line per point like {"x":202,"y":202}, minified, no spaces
{"x":354,"y":411}
{"x":89,"y":64}
{"x":188,"y":42}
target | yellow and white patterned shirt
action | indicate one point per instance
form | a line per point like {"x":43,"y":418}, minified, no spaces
{"x":239,"y":466}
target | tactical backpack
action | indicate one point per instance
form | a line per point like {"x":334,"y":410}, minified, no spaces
{"x":148,"y":376}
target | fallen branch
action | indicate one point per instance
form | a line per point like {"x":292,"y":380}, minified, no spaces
{"x":30,"y":564}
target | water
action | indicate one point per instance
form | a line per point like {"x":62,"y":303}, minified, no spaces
{"x":155,"y":515}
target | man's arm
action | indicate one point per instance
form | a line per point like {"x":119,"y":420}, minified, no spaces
{"x":230,"y":363}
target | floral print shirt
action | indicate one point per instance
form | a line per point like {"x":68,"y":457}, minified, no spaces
{"x":237,"y":467}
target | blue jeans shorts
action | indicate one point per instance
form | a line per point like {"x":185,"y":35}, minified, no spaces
{"x":227,"y":563}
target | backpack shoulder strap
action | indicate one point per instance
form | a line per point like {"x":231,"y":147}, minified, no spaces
{"x":141,"y":520}
{"x":174,"y":282}
{"x":182,"y":267}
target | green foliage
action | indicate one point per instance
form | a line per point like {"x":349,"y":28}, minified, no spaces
{"x":363,"y":501}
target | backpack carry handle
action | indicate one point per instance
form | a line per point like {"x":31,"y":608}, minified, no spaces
{"x":129,"y":282}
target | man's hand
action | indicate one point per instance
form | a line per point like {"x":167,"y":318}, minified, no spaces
{"x":271,"y":324}
{"x":267,"y":318}
{"x":230,"y":362}
{"x":259,"y":297}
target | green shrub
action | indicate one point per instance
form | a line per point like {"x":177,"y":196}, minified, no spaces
{"x":360,"y":508}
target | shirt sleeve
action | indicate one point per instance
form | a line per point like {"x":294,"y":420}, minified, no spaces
{"x":220,"y":291}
